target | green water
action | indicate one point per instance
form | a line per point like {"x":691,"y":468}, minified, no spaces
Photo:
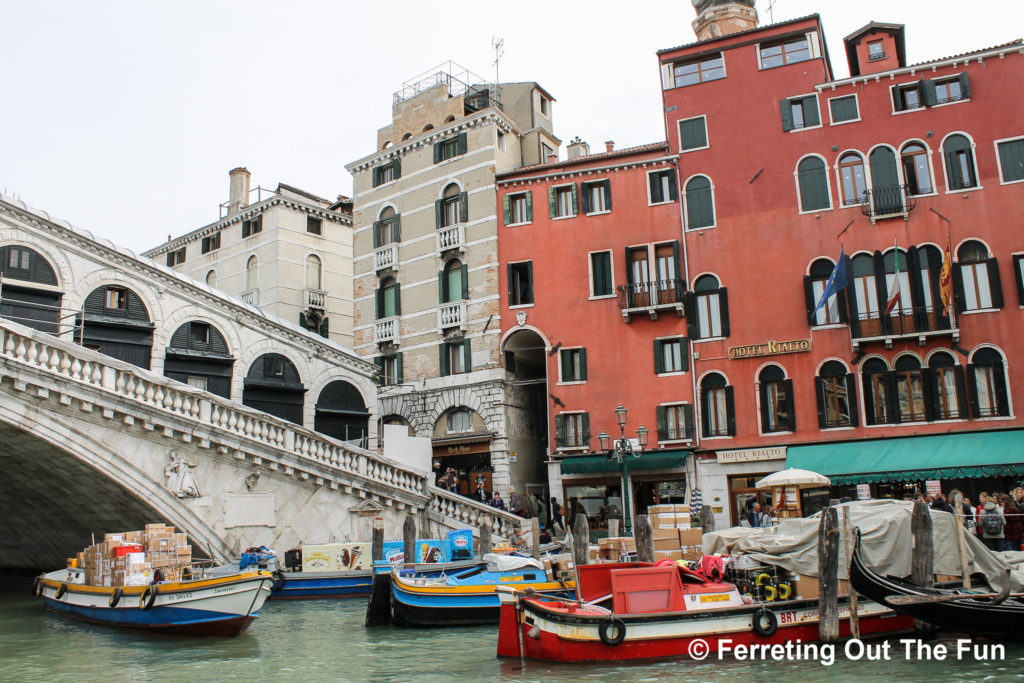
{"x":325,"y":641}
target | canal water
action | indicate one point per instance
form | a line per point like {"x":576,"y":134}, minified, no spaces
{"x":323,"y":640}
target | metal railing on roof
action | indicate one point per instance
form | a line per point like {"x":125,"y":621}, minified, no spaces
{"x":459,"y":80}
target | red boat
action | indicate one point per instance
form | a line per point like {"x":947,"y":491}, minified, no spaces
{"x":661,"y":612}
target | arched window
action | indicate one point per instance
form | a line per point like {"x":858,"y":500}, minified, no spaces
{"x":976,"y":278}
{"x":117,"y":323}
{"x":211,"y":278}
{"x":406,"y":137}
{"x":903,"y":309}
{"x":39,"y":308}
{"x":718,"y":412}
{"x":834,"y":310}
{"x":916,"y":172}
{"x":252,"y":274}
{"x":459,"y":420}
{"x":454,"y":282}
{"x":273,"y":385}
{"x":452,"y":207}
{"x":929,"y":309}
{"x":876,"y":378}
{"x":852,"y":179}
{"x":837,"y":405}
{"x":387,"y":228}
{"x":387,"y":143}
{"x":198,"y":355}
{"x":865,"y":313}
{"x":912,"y":391}
{"x":813,"y":182}
{"x":427,"y":127}
{"x":341,"y":412}
{"x":986,"y":382}
{"x":948,"y":389}
{"x":959,"y":157}
{"x":777,"y":409}
{"x":314,"y":279}
{"x":700,"y":204}
{"x":707,"y":309}
{"x":389,"y":302}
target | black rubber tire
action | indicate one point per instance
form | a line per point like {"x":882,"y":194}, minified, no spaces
{"x":148,"y":597}
{"x":611,"y":623}
{"x":115,"y":597}
{"x":278,"y":580}
{"x":37,"y":586}
{"x":61,"y":590}
{"x":773,"y":622}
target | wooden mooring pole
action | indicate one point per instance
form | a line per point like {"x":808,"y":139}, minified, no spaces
{"x":828,"y":575}
{"x":644,"y":536}
{"x":485,"y":535}
{"x":707,"y":519}
{"x":535,"y":536}
{"x":957,"y":501}
{"x":378,"y":607}
{"x":580,"y":540}
{"x":409,"y":539}
{"x":922,"y":562}
{"x":847,"y":561}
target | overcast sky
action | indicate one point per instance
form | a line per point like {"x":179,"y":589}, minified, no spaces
{"x":124,"y":117}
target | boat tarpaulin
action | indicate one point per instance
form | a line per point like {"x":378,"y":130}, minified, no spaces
{"x":886,"y":544}
{"x":506,"y":563}
{"x":916,"y":458}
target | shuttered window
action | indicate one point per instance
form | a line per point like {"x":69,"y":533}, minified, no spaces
{"x":572,"y":430}
{"x":843,"y":109}
{"x":800,"y":112}
{"x":693,"y":134}
{"x":518,"y":208}
{"x":813,"y":182}
{"x":1011,"y":160}
{"x":596,"y":196}
{"x":675,"y":422}
{"x":452,"y":147}
{"x":662,"y":186}
{"x":574,"y":365}
{"x":670,"y":355}
{"x":520,"y":283}
{"x":959,"y":158}
{"x":388,"y":172}
{"x":700,"y":207}
{"x":601,"y":273}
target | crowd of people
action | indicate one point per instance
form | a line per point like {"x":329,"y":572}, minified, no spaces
{"x":551,"y":515}
{"x":997,"y":519}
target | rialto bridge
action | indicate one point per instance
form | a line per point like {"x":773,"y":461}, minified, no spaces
{"x":131,"y":394}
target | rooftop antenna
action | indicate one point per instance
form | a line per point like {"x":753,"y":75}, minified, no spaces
{"x":499,"y":49}
{"x":771,"y":14}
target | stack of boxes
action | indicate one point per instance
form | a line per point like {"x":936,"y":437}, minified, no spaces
{"x":616,"y":549}
{"x":131,"y":558}
{"x":674,"y":538}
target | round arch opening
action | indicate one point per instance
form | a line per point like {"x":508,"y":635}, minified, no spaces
{"x":341,"y":412}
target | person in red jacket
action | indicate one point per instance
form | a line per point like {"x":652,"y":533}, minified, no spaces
{"x":1014,"y":529}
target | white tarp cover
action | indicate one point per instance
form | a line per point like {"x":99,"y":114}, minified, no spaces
{"x":886,"y":544}
{"x":504,"y":563}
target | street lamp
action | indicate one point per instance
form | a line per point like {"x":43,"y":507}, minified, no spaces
{"x":620,"y":450}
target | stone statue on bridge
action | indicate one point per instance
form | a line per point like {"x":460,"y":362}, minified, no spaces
{"x":180,"y":480}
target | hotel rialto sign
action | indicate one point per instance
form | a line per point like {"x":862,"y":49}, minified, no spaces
{"x":770,"y":348}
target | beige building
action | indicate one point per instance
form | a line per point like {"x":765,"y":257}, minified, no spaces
{"x":288,"y":253}
{"x":426,"y":271}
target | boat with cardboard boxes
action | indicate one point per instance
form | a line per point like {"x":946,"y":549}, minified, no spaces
{"x":147,"y":580}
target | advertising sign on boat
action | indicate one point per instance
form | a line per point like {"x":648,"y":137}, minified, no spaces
{"x":336,"y":557}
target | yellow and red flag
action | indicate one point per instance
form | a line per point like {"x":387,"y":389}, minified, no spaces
{"x":946,"y":277}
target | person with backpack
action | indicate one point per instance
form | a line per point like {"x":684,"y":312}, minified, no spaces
{"x":992,"y":524}
{"x":1014,"y":524}
{"x":978,"y":511}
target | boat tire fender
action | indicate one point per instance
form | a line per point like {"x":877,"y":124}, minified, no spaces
{"x":37,"y":586}
{"x":785,"y":591}
{"x":770,"y":593}
{"x":278,"y":580}
{"x":614,"y":625}
{"x":762,"y":629}
{"x":61,"y":590}
{"x":115,"y":597}
{"x":148,"y":597}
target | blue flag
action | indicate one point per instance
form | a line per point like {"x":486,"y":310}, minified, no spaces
{"x":836,"y":281}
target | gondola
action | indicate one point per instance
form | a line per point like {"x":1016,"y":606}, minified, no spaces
{"x":996,"y":616}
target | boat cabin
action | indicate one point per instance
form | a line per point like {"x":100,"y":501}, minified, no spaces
{"x":641,"y":588}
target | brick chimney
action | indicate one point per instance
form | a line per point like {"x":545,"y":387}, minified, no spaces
{"x":577,"y":148}
{"x":609,"y":145}
{"x":238,"y":197}
{"x":721,"y":17}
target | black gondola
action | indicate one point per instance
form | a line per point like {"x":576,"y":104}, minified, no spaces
{"x":998,"y":618}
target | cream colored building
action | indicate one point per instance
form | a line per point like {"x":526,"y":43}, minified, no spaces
{"x":289,"y":253}
{"x":426,"y":270}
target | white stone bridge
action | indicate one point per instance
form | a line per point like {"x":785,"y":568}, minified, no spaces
{"x":90,"y":443}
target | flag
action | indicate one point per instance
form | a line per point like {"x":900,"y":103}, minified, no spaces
{"x":836,"y":281}
{"x":946,"y":278}
{"x":894,"y":290}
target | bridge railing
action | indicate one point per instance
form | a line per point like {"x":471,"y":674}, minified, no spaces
{"x":108,"y":375}
{"x":469,"y":512}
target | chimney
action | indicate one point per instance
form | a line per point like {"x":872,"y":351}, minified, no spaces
{"x":577,"y":148}
{"x":238,"y":198}
{"x":721,"y":17}
{"x":609,"y":145}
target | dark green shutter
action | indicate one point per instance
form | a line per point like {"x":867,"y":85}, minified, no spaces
{"x":730,"y":409}
{"x":673,"y":194}
{"x":559,"y":431}
{"x":380,"y":303}
{"x":787,"y":114}
{"x":324,"y":331}
{"x":819,"y":395}
{"x":583,"y":365}
{"x":529,"y":281}
{"x":442,"y":287}
{"x":765,"y":416}
{"x":851,"y":398}
{"x":398,"y":299}
{"x":882,"y":291}
{"x":723,"y":303}
{"x":995,"y":285}
{"x":654,"y":180}
{"x":529,"y":205}
{"x":1018,"y":277}
{"x":376,"y":234}
{"x":961,"y":392}
{"x":396,"y":166}
{"x":892,"y":399}
{"x":677,"y":286}
{"x":463,"y":206}
{"x":809,"y":300}
{"x":379,"y":362}
{"x":790,"y":406}
{"x":506,"y":207}
{"x":972,"y":390}
{"x":929,"y":390}
{"x":705,"y":414}
{"x":965,"y":86}
{"x":439,"y":214}
{"x":465,"y":281}
{"x":575,"y":199}
{"x":688,"y":417}
{"x":443,"y":361}
{"x":813,"y":185}
{"x":438,"y":154}
{"x":467,"y":356}
{"x":661,"y":418}
{"x":959,"y":296}
{"x":585,"y":429}
{"x":684,"y":353}
{"x":690,"y":311}
{"x":607,"y":184}
{"x":460,"y":144}
{"x":399,"y":372}
{"x":396,"y":227}
{"x":927,"y":90}
{"x":811,"y":117}
{"x":1011,"y":160}
{"x":700,"y":211}
{"x":302,"y":320}
{"x":552,"y":206}
{"x":586,"y":197}
{"x":564,"y":357}
{"x":869,"y":401}
{"x":693,"y":134}
{"x":659,"y":363}
{"x":376,"y":176}
{"x":1002,"y":400}
{"x":510,"y":285}
{"x":917,"y":289}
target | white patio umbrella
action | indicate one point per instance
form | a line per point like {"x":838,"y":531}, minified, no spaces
{"x":804,"y":479}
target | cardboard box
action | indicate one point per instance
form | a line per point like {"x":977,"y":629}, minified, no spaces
{"x":667,"y":544}
{"x":692,"y":553}
{"x":691,"y":536}
{"x":674,"y":555}
{"x":665,"y":535}
{"x":807,"y":587}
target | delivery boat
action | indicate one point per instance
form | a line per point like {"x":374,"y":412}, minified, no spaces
{"x":469,"y":595}
{"x":662,"y":611}
{"x":146,"y":580}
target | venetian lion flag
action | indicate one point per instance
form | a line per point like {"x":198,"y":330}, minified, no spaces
{"x":946,"y":277}
{"x":894,"y":290}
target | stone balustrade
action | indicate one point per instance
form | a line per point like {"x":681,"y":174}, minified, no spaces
{"x":385,"y":257}
{"x":452,"y":315}
{"x":466,"y":512}
{"x":386,"y":330}
{"x":316,"y":298}
{"x":452,"y":237}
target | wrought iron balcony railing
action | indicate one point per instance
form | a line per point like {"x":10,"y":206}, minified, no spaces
{"x":651,"y":297}
{"x":887,"y":202}
{"x":918,"y":321}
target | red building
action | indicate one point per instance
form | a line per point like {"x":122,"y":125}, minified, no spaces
{"x":782,"y":168}
{"x":590,"y":262}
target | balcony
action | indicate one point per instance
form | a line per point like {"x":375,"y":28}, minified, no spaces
{"x":251,"y":297}
{"x":385,"y":257}
{"x":894,"y":201}
{"x":386,"y":330}
{"x":452,"y":237}
{"x":316,"y":299}
{"x":452,"y":315}
{"x":920,"y":321}
{"x":651,"y":297}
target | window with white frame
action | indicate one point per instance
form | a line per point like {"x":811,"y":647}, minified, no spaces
{"x":843,"y":109}
{"x":572,"y":430}
{"x":573,"y":365}
{"x":675,"y":422}
{"x":670,"y":355}
{"x":562,"y":201}
{"x":701,"y":70}
{"x":518,"y":208}
{"x":460,"y":420}
{"x":597,"y":196}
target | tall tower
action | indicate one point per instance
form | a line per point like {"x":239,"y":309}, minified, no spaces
{"x":721,"y":17}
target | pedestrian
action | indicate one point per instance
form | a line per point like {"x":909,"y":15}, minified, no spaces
{"x":532,"y":507}
{"x":1014,"y":529}
{"x":449,"y":481}
{"x":767,"y":516}
{"x":542,"y":513}
{"x":557,"y":517}
{"x":939,"y":503}
{"x":752,"y":517}
{"x":1018,"y":497}
{"x":497,"y":501}
{"x":978,"y":511}
{"x":992,"y":525}
{"x":515,"y":502}
{"x":483,"y":495}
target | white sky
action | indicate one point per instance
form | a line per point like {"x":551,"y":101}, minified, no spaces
{"x":124,"y":117}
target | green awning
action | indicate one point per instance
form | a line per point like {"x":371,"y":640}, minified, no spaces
{"x":654,"y":460}
{"x":941,"y":456}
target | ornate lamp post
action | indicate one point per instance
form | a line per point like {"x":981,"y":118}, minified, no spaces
{"x":621,"y":450}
